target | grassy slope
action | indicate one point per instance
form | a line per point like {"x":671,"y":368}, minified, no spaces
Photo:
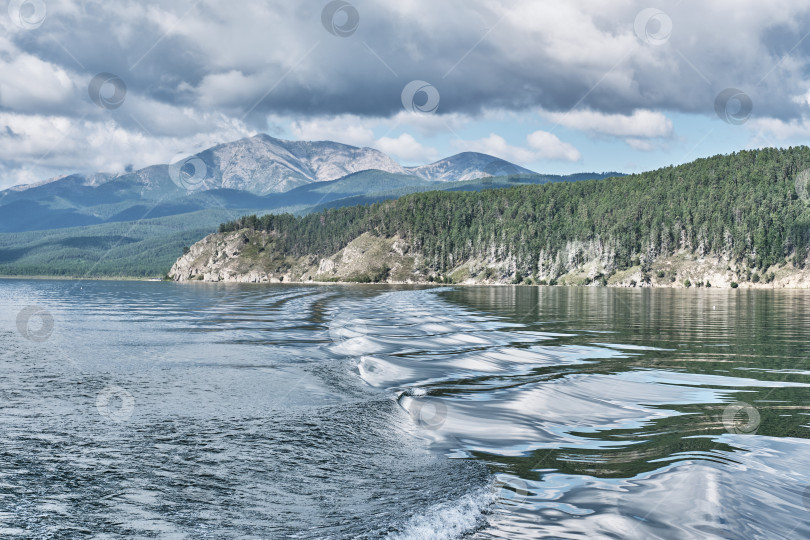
{"x":136,"y":249}
{"x":148,"y":247}
{"x":747,"y":208}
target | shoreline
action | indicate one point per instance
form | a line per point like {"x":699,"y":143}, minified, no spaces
{"x":76,"y":278}
{"x":741,"y":286}
{"x":247,"y":256}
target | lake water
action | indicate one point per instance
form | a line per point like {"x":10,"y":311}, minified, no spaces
{"x":134,"y":409}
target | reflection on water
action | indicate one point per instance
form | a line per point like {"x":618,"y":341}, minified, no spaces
{"x":695,"y":427}
{"x":155,"y":409}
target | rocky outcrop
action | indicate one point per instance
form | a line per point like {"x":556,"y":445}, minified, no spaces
{"x":251,"y":257}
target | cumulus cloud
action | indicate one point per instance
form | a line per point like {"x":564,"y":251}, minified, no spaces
{"x":640,"y":144}
{"x":344,"y":128}
{"x":542,"y":145}
{"x":780,"y":129}
{"x":407,"y":149}
{"x":38,"y":146}
{"x":549,"y":146}
{"x":640,"y":123}
{"x":192,"y":68}
{"x":638,"y":129}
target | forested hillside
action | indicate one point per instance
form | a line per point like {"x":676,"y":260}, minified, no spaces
{"x":750,"y":207}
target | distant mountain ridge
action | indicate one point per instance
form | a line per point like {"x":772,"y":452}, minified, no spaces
{"x":58,"y":227}
{"x":727,"y":221}
{"x":263,"y":164}
{"x":259,"y":166}
{"x":467,"y":166}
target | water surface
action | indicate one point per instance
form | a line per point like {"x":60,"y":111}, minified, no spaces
{"x":224,"y":411}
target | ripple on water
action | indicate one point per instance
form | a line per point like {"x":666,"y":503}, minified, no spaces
{"x":371,"y":412}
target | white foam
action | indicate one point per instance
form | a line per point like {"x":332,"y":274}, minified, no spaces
{"x":448,"y":520}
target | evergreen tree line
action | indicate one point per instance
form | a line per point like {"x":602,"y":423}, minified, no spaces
{"x":750,"y":206}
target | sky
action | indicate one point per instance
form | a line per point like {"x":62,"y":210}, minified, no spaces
{"x":557,"y":87}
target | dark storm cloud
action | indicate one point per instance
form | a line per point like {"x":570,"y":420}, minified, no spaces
{"x":256,"y":58}
{"x":213,"y":70}
{"x":272,"y":57}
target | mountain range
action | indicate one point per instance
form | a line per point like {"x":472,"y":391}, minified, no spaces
{"x":71,"y":215}
{"x":738,"y":220}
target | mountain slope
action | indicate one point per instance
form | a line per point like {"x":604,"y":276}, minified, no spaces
{"x":260,"y":166}
{"x":143,"y":248}
{"x":161,"y":229}
{"x":467,"y":166}
{"x":73,"y":214}
{"x":263,"y":164}
{"x":726,"y":219}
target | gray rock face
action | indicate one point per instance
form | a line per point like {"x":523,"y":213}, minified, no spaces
{"x":263,"y":164}
{"x":258,"y":165}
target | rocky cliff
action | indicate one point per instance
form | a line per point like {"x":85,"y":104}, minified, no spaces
{"x":249,"y":257}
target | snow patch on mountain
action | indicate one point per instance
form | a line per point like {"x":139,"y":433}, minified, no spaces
{"x":467,"y":166}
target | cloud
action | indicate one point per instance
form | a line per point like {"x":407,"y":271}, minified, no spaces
{"x":542,"y":146}
{"x":549,"y":146}
{"x":280,"y":59}
{"x":640,"y":144}
{"x":780,"y":129}
{"x":640,"y":123}
{"x":346,"y":129}
{"x":35,"y":147}
{"x":407,"y":149}
{"x":184,"y":84}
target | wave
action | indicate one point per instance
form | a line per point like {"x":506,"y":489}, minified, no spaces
{"x":449,"y":520}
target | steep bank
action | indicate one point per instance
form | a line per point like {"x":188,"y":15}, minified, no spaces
{"x":742,"y":218}
{"x":247,"y":256}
